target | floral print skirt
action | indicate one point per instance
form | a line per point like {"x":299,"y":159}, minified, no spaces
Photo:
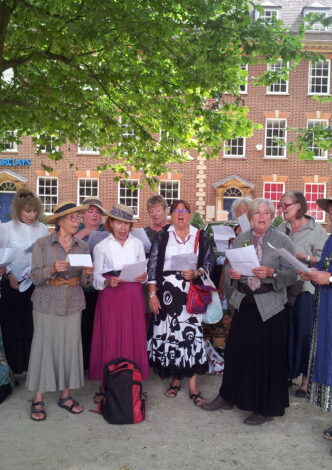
{"x":176,"y":348}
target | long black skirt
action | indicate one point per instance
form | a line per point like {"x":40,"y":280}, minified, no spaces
{"x":17,"y":326}
{"x":255,"y":374}
{"x":88,"y":315}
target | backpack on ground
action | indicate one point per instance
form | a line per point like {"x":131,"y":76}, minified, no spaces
{"x":124,"y":401}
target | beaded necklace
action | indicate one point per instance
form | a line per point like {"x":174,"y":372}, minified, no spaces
{"x":180,"y":242}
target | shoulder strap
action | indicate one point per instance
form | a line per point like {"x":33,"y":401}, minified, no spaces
{"x":196,"y":240}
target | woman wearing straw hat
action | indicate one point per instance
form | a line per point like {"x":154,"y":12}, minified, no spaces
{"x":56,"y":361}
{"x":119,"y":325}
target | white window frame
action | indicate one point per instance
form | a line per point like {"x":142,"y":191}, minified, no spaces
{"x":244,"y":89}
{"x":162,"y":192}
{"x":128,"y":131}
{"x":280,"y":82}
{"x":87,"y":150}
{"x":323,"y":153}
{"x":258,"y":14}
{"x":42,"y":196}
{"x":284,"y":148}
{"x":136,"y":216}
{"x":53,"y":147}
{"x":276,"y":202}
{"x":311,"y":77}
{"x":316,"y":27}
{"x":230,"y":143}
{"x":309,"y":201}
{"x":80,"y":198}
{"x":12,"y":146}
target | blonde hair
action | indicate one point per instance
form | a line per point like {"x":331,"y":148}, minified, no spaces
{"x":256,"y":203}
{"x":25,"y":200}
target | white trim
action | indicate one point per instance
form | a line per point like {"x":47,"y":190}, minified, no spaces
{"x":170,"y":181}
{"x":11,"y":150}
{"x":268,"y":88}
{"x":41,"y":196}
{"x":79,"y":187}
{"x":323,"y":157}
{"x":309,"y":201}
{"x":268,"y":8}
{"x":225,"y":155}
{"x":279,"y":157}
{"x":87,"y":152}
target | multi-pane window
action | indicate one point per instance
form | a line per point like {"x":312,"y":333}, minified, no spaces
{"x":87,"y":149}
{"x":269,"y":14}
{"x":244,"y":86}
{"x":128,"y":130}
{"x":47,"y":190}
{"x":318,"y":152}
{"x":317,"y":25}
{"x":129,"y":194}
{"x":312,"y":192}
{"x":48,"y":146}
{"x":280,"y":86}
{"x":170,"y":190}
{"x":87,"y":187}
{"x":235,"y":147}
{"x":274,"y":191}
{"x":275,"y":137}
{"x":6,"y":143}
{"x":319,"y":78}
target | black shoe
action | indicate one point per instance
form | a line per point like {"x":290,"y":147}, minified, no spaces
{"x":328,"y":433}
{"x":257,"y":419}
{"x":217,"y":404}
{"x":300,"y":393}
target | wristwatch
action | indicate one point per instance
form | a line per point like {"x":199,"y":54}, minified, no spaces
{"x":275,"y":275}
{"x":330,"y":280}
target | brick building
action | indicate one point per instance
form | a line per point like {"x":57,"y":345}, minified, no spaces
{"x":256,"y":166}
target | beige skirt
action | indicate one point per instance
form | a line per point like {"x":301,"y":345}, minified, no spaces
{"x":56,"y":360}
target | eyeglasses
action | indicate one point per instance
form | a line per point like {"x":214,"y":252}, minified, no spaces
{"x":73,"y":218}
{"x":284,"y":206}
{"x":181,"y":211}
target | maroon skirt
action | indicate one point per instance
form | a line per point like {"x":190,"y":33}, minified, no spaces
{"x":119,"y":328}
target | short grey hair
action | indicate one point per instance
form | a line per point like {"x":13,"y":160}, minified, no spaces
{"x":239,"y":202}
{"x":260,"y":201}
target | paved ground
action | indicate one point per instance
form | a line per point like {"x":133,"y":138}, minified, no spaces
{"x":175,"y":435}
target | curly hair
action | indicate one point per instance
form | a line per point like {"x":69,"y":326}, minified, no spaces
{"x":25,"y":200}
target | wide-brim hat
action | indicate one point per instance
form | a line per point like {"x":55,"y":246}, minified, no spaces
{"x":94,"y":201}
{"x":324,"y":203}
{"x":66,"y":207}
{"x":121,"y":212}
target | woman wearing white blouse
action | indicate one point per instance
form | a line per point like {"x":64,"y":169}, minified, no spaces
{"x":16,"y":308}
{"x":119,"y":324}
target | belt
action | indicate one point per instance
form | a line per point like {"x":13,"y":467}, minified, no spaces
{"x":245,"y":289}
{"x":112,"y":273}
{"x":60,"y":281}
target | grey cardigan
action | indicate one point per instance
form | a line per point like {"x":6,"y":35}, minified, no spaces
{"x":272,"y":302}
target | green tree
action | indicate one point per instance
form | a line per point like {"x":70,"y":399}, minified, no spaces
{"x":198,"y":221}
{"x":70,"y":69}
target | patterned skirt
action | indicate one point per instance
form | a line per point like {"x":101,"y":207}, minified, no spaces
{"x":176,"y":348}
{"x":319,"y":394}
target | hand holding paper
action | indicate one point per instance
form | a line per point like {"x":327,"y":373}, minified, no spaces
{"x":291,"y":259}
{"x":130,"y":272}
{"x":243,"y":260}
{"x":80,"y":260}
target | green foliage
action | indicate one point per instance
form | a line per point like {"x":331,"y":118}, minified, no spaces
{"x":70,"y":69}
{"x":198,"y":221}
{"x":277,"y":221}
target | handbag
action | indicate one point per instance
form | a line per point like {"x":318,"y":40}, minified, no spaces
{"x":199,"y":295}
{"x":214,"y":311}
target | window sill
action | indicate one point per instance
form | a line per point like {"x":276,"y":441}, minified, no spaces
{"x":275,"y":158}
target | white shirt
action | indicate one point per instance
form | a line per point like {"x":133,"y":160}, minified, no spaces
{"x":175,"y":246}
{"x":110,"y":255}
{"x":18,"y":235}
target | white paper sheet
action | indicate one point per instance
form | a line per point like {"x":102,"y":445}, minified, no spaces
{"x":244,"y":222}
{"x":80,"y":260}
{"x":7,"y":255}
{"x":223,"y":232}
{"x":130,"y":272}
{"x":222,"y":245}
{"x":183,"y":262}
{"x":95,"y":237}
{"x":140,"y":233}
{"x":291,"y":259}
{"x":243,"y":260}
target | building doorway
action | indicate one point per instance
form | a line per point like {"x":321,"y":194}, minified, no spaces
{"x":7,"y":193}
{"x":230,"y":195}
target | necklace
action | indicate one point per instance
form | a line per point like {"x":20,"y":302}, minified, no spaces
{"x":181,"y":242}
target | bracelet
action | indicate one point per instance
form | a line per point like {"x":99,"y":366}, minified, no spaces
{"x":152,"y":294}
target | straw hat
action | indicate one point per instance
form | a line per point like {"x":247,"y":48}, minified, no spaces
{"x":121,"y":212}
{"x":324,"y":204}
{"x":66,"y":207}
{"x":94,"y":201}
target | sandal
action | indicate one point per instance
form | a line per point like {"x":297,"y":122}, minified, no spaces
{"x":172,"y":391}
{"x":99,"y":397}
{"x":35,"y":410}
{"x":71,"y":407}
{"x":197,"y":399}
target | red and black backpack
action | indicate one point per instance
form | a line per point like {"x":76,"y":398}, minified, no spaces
{"x":124,"y":401}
